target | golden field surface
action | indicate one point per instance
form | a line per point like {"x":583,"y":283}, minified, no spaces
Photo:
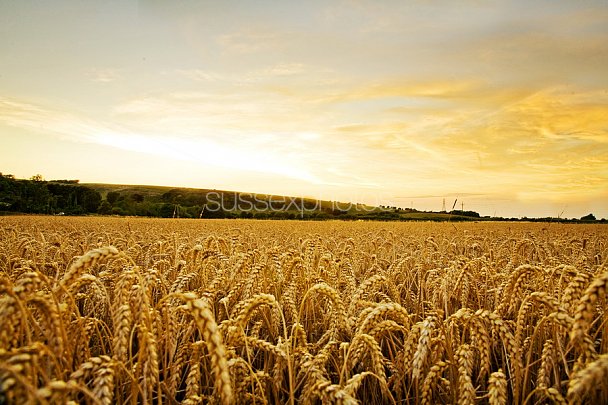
{"x":124,"y":310}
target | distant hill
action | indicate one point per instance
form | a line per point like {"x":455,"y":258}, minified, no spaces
{"x":70,"y":197}
{"x":210,"y":203}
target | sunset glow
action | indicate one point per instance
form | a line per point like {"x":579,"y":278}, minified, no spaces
{"x":501,"y":104}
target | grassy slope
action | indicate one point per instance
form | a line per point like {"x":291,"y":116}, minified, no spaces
{"x":365,"y":210}
{"x":157,"y":191}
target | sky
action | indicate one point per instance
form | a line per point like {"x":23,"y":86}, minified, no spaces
{"x":502,"y":105}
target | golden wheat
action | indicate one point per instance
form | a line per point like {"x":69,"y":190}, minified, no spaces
{"x":104,"y":310}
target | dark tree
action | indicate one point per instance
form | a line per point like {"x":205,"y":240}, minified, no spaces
{"x":105,"y":208}
{"x":90,"y":199}
{"x":112,"y":197}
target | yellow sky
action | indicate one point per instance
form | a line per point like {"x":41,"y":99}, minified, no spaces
{"x":501,"y":104}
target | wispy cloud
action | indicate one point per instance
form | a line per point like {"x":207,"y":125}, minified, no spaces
{"x":210,"y":150}
{"x":104,"y":75}
{"x":250,"y":40}
{"x":442,"y":195}
{"x":528,"y":142}
{"x":266,"y":75}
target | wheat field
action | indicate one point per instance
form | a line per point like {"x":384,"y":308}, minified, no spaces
{"x":115,"y":310}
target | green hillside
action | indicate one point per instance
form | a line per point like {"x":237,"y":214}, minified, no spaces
{"x":69,"y":197}
{"x":183,"y":202}
{"x":211,"y":203}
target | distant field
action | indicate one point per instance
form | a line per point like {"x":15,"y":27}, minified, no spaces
{"x":132,"y":310}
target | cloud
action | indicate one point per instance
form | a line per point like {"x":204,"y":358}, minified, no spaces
{"x":250,"y":40}
{"x":104,"y":75}
{"x":443,"y":195}
{"x":201,"y":75}
{"x":539,"y":144}
{"x":453,"y":136}
{"x":551,"y":142}
{"x":271,"y":74}
{"x":20,"y":114}
{"x":200,"y":148}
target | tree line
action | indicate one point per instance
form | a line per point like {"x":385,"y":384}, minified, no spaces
{"x":37,"y":196}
